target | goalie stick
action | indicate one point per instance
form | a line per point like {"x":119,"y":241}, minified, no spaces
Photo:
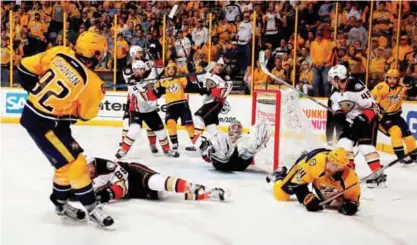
{"x":323,"y":203}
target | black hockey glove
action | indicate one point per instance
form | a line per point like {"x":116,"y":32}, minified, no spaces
{"x":348,"y":208}
{"x":277,"y":175}
{"x":311,"y":202}
{"x":104,"y":195}
{"x":357,"y":125}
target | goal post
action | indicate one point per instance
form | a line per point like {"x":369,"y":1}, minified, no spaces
{"x":292,"y":132}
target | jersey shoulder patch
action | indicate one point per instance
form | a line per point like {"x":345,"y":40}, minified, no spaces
{"x":355,"y":85}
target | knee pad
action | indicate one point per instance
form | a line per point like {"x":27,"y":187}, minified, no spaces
{"x":199,"y":123}
{"x":279,"y":193}
{"x":78,"y":174}
{"x":345,"y":143}
{"x":396,"y":136}
{"x":61,"y":176}
{"x":172,"y":127}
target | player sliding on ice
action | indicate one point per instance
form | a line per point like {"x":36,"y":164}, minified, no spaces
{"x":123,"y":180}
{"x":231,"y":151}
{"x":328,"y":172}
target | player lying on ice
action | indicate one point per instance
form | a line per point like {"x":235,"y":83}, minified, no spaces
{"x":231,"y":151}
{"x":328,"y":172}
{"x":124,"y":180}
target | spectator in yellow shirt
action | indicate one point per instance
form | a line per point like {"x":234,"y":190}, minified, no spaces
{"x":321,"y":53}
{"x":382,"y":17}
{"x":37,"y":27}
{"x":404,"y":49}
{"x":305,"y":81}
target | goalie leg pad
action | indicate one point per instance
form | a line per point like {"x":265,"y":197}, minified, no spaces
{"x":260,"y":135}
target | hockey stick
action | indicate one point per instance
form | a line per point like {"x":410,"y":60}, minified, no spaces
{"x":158,"y":78}
{"x":264,"y":69}
{"x":323,"y":203}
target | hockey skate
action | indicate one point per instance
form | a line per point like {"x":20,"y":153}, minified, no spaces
{"x":62,"y":208}
{"x":96,"y":215}
{"x":407,"y":161}
{"x":172,"y":153}
{"x":154,"y":150}
{"x":218,"y":194}
{"x":378,"y":181}
{"x":120,"y":153}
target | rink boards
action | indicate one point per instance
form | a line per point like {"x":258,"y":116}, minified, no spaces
{"x":238,"y":107}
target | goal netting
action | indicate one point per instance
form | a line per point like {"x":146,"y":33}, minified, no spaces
{"x":292,"y":132}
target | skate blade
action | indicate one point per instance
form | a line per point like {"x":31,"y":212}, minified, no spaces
{"x":376,"y":186}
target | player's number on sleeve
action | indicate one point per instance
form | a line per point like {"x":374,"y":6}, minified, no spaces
{"x":366,"y":95}
{"x":50,"y":91}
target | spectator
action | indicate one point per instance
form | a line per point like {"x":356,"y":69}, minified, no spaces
{"x":231,"y":11}
{"x":122,"y":49}
{"x":382,"y":18}
{"x":278,"y":70}
{"x":6,"y":54}
{"x":305,"y":57}
{"x":305,"y":81}
{"x":358,"y":33}
{"x":357,"y":63}
{"x":37,"y":27}
{"x":244,"y":37}
{"x":321,"y":54}
{"x":199,"y":35}
{"x":404,"y":48}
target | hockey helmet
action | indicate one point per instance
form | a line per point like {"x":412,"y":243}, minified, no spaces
{"x":235,"y":130}
{"x":338,"y":71}
{"x":339,"y":157}
{"x":90,"y":44}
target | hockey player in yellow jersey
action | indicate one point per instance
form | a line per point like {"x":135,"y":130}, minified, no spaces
{"x":63,"y":89}
{"x":389,"y":95}
{"x":176,"y":106}
{"x":328,"y":172}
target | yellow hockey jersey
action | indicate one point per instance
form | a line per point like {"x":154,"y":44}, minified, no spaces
{"x":390,"y":100}
{"x":311,"y":169}
{"x":67,"y":89}
{"x":174,"y":89}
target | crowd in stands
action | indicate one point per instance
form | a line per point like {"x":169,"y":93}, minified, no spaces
{"x":38,"y":25}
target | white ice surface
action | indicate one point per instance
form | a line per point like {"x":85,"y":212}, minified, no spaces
{"x":252,"y":216}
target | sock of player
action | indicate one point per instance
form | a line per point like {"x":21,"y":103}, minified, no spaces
{"x":190,"y":131}
{"x":371,"y":156}
{"x":131,"y":136}
{"x":396,"y":141}
{"x":125,"y":128}
{"x":61,"y":192}
{"x":163,"y":140}
{"x":80,"y":181}
{"x":410,"y":143}
{"x":198,"y":130}
{"x":172,"y":131}
{"x":151,"y":136}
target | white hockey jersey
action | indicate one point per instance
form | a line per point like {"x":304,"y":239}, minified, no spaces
{"x":145,"y":99}
{"x":217,"y":87}
{"x":109,"y":173}
{"x":354,"y":100}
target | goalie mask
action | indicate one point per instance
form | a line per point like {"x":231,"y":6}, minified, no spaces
{"x":235,"y":131}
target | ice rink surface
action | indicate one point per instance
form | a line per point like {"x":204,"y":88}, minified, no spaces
{"x":252,"y":216}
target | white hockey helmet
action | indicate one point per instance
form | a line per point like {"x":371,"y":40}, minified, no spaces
{"x":213,"y":80}
{"x":338,"y":71}
{"x":138,"y":64}
{"x":134,"y":49}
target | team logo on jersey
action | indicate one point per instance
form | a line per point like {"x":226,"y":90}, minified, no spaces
{"x":172,"y":88}
{"x":111,"y":165}
{"x":346,"y":105}
{"x":394,"y":99}
{"x":226,"y":108}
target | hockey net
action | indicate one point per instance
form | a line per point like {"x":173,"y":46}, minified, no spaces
{"x":292,"y":132}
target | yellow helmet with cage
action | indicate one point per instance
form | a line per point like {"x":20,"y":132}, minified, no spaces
{"x":90,"y":44}
{"x":339,"y":157}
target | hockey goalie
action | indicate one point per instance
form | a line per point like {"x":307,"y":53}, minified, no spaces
{"x":232,"y":151}
{"x":353,"y":99}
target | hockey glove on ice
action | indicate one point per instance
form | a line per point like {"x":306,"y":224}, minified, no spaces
{"x":104,"y":195}
{"x":311,"y":202}
{"x":348,"y":208}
